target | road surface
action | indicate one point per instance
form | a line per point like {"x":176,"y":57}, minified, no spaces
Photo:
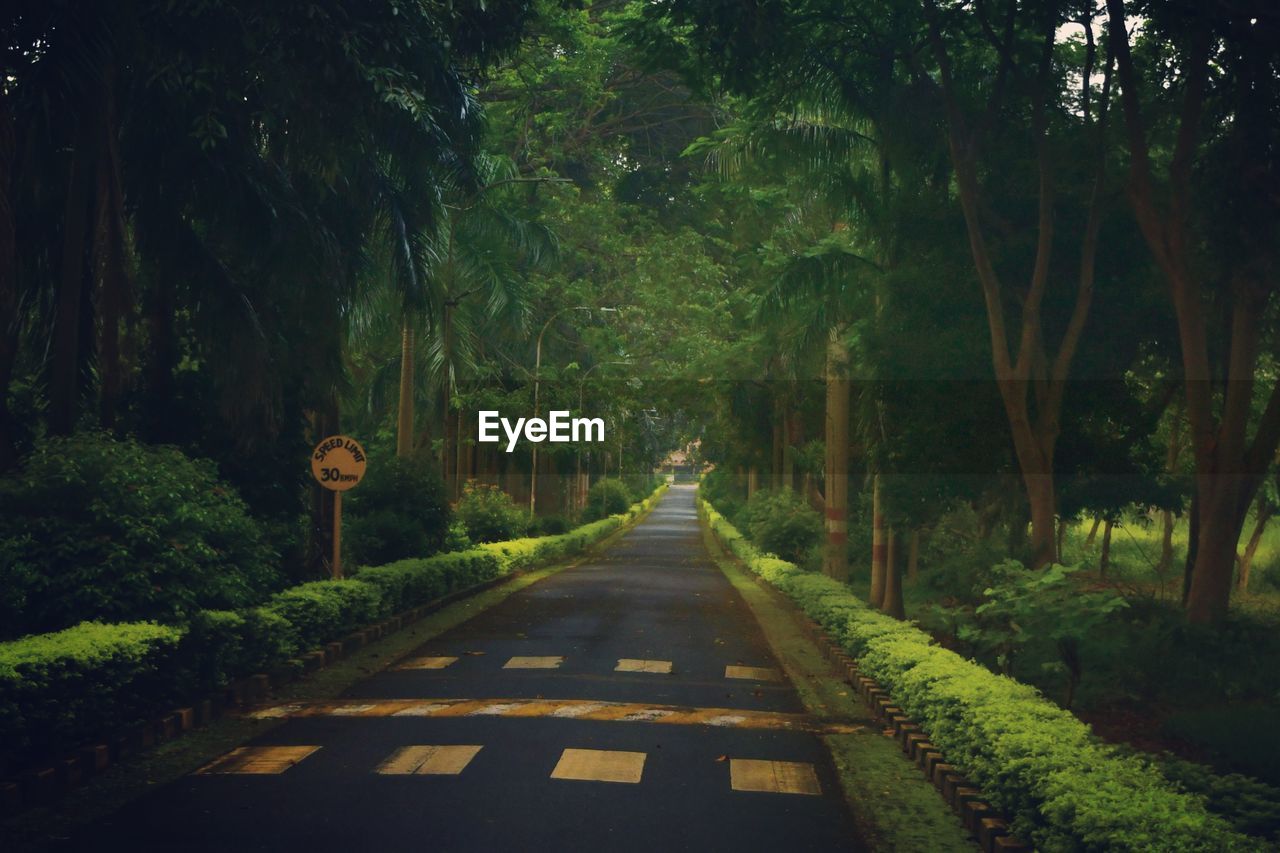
{"x":629,"y":703}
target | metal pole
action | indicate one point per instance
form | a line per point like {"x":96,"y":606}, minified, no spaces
{"x":337,"y":535}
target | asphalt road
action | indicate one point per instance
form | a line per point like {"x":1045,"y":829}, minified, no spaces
{"x":670,"y":758}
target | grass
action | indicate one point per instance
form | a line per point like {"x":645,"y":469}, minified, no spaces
{"x":893,"y":805}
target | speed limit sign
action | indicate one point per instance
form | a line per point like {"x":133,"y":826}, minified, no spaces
{"x":338,"y":464}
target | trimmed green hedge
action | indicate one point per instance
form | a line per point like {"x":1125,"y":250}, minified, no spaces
{"x":58,"y":691}
{"x":1064,"y":788}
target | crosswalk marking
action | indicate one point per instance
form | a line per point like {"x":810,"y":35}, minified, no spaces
{"x":774,"y":777}
{"x":659,"y":667}
{"x":600,"y":765}
{"x":427,"y":663}
{"x":256,"y":760}
{"x":542,"y":662}
{"x":752,"y":673}
{"x":428,"y":760}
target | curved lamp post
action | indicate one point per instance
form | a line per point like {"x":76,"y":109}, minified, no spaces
{"x":537,"y":370}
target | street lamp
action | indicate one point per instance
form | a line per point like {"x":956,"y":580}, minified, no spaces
{"x":537,"y":370}
{"x":580,"y":493}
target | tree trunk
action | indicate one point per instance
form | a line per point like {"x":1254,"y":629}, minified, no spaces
{"x":1093,"y":530}
{"x":109,"y":255}
{"x":753,"y":480}
{"x":404,"y":415}
{"x":1041,"y":501}
{"x":460,"y":455}
{"x":1166,"y":541}
{"x":64,"y":376}
{"x":892,"y":601}
{"x":1261,"y":517}
{"x":778,"y":443}
{"x":1062,"y":537}
{"x":879,"y":547}
{"x":1104,"y":562}
{"x":320,"y":552}
{"x":1209,"y":594}
{"x":788,"y":450}
{"x":9,"y":321}
{"x":913,"y":557}
{"x":1166,"y":516}
{"x":835,"y":561}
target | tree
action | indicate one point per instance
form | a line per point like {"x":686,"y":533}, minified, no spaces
{"x":1216,"y":93}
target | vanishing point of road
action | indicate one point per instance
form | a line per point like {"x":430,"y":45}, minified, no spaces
{"x":628,"y":703}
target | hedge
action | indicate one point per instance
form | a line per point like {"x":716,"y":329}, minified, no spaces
{"x":57,"y":691}
{"x":1064,"y":789}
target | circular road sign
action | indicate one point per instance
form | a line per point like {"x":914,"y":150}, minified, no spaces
{"x":338,"y":463}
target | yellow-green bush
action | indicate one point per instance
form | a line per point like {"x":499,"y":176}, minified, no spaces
{"x":58,"y":689}
{"x":1065,"y":789}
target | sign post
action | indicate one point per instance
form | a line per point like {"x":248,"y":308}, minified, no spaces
{"x":338,"y":463}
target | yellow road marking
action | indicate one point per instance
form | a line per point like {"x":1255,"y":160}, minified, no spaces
{"x":661,"y":667}
{"x":752,"y":673}
{"x":427,"y":663}
{"x":419,"y":710}
{"x":428,"y":761}
{"x":544,"y":662}
{"x":774,"y":777}
{"x":600,"y":765}
{"x":257,"y":760}
{"x":576,"y":709}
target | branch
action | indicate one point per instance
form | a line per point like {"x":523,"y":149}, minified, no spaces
{"x":967,"y":181}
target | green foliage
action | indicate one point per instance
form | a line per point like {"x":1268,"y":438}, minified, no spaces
{"x":399,"y":511}
{"x":782,"y":522}
{"x":1251,"y":806}
{"x":1021,"y":606}
{"x":604,"y":498}
{"x":640,"y":486}
{"x":58,"y":689}
{"x":97,"y":528}
{"x":222,"y":645}
{"x":321,"y":611}
{"x":407,"y":583}
{"x":549,"y":525}
{"x":489,"y":515}
{"x":1064,"y":789}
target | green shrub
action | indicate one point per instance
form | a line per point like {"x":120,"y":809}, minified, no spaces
{"x":321,"y":611}
{"x":1251,"y":806}
{"x":781,"y":522}
{"x":606,"y":498}
{"x":59,"y":690}
{"x":549,"y":525}
{"x":399,"y":511}
{"x":489,"y":515}
{"x":1064,"y":789}
{"x":640,"y":486}
{"x":92,"y":527}
{"x":408,"y":583}
{"x":223,"y":645}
